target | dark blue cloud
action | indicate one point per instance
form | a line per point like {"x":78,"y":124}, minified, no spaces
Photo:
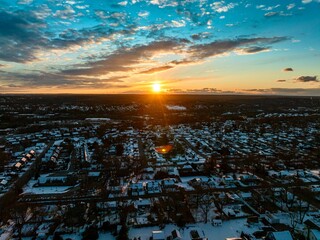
{"x":20,"y":36}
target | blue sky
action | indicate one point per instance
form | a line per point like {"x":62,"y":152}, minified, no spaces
{"x":188,"y":46}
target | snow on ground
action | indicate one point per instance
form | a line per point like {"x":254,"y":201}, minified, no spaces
{"x":176,"y":107}
{"x":187,"y":179}
{"x":231,"y":228}
{"x":186,"y":186}
{"x":30,"y":188}
{"x":78,"y":236}
{"x":5,"y":236}
{"x":47,"y":190}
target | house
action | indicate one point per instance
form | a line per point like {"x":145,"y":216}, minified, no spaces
{"x":142,"y":204}
{"x":314,"y":234}
{"x":137,"y":189}
{"x":312,"y":229}
{"x":175,"y":235}
{"x":158,"y":235}
{"x":272,"y":219}
{"x":283,"y":235}
{"x":168,"y":184}
{"x":153,"y":187}
{"x":3,"y":182}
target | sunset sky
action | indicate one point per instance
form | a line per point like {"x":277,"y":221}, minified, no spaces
{"x":186,"y":46}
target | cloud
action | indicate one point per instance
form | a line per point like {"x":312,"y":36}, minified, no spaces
{"x":156,"y":69}
{"x":220,"y":47}
{"x":24,"y":34}
{"x":200,"y":36}
{"x":47,"y":79}
{"x":124,"y":59}
{"x":289,"y":69}
{"x":271,"y":14}
{"x":25,"y":1}
{"x":307,"y":79}
{"x":221,"y":7}
{"x":200,"y":91}
{"x":281,"y":80}
{"x":286,"y":91}
{"x":20,"y":36}
{"x":251,"y":50}
{"x":290,"y":6}
{"x":123,"y":3}
{"x":129,"y":60}
{"x":68,"y":13}
{"x":275,"y":14}
{"x":180,"y":23}
{"x":143,"y":14}
{"x":42,"y":11}
{"x":163,"y":3}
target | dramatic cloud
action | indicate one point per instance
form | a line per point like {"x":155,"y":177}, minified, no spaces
{"x":124,"y":59}
{"x":45,"y":79}
{"x":224,"y":46}
{"x":117,"y":43}
{"x":156,"y":69}
{"x":23,"y":34}
{"x":307,"y":79}
{"x":20,"y":36}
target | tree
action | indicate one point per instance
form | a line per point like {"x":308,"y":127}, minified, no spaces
{"x":296,"y":207}
{"x":205,"y":205}
{"x":119,"y":149}
{"x":123,"y":233}
{"x":75,"y":215}
{"x":19,"y":215}
{"x":91,"y":233}
{"x":4,"y":158}
{"x":57,"y":236}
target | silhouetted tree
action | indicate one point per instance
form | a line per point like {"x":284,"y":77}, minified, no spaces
{"x":91,"y":233}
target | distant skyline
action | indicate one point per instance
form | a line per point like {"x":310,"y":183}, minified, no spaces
{"x":185,"y":46}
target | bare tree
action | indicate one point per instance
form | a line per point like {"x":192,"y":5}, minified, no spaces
{"x":205,"y":205}
{"x":295,"y":206}
{"x":20,"y":214}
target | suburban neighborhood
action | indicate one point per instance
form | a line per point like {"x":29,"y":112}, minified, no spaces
{"x":240,"y":173}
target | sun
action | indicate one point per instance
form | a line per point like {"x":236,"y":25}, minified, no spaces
{"x":156,"y":87}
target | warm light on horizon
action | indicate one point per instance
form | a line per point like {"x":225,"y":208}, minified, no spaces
{"x":156,"y":87}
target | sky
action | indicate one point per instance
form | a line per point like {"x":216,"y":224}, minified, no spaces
{"x":186,"y":46}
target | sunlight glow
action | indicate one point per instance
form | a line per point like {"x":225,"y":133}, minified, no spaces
{"x":156,"y":87}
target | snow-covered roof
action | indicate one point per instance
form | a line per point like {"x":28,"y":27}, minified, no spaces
{"x":158,"y":235}
{"x":94,"y":174}
{"x":316,"y":233}
{"x":284,"y":235}
{"x":4,"y":182}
